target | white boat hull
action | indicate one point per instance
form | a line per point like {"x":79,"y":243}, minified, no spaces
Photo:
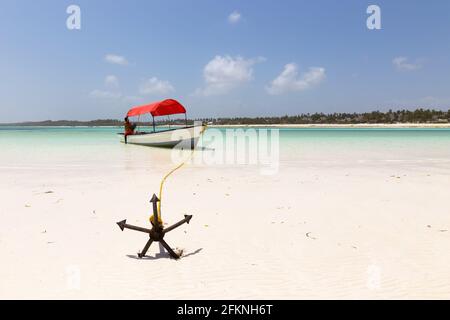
{"x":182,"y":137}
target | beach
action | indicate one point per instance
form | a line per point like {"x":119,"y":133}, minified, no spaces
{"x":347,"y":214}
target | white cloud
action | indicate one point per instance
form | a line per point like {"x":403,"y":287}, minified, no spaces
{"x":112,"y":89}
{"x":234,"y":17}
{"x":116,"y":59}
{"x":111,"y":81}
{"x":103,"y":94}
{"x":289,"y":79}
{"x":403,"y":64}
{"x":223,"y":74}
{"x":156,"y":86}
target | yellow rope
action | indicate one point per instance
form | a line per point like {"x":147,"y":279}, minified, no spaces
{"x":167,"y":175}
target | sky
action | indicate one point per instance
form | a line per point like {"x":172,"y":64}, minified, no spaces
{"x":220,"y":58}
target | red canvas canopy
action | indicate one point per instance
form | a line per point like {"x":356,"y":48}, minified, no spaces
{"x":160,"y":108}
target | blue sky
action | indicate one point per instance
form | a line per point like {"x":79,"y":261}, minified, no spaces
{"x":221,"y":58}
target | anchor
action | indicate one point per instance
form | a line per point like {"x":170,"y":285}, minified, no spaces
{"x":157,"y":232}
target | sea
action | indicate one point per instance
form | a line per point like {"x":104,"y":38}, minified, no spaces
{"x":56,"y":148}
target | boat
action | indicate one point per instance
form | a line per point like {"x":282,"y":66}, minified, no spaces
{"x":180,"y":136}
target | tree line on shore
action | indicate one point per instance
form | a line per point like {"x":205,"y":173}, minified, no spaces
{"x":375,"y":117}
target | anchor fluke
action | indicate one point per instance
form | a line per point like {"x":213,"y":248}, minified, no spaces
{"x":122,"y":224}
{"x":154,"y":199}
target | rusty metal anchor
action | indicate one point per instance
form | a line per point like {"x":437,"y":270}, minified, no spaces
{"x":157,"y":232}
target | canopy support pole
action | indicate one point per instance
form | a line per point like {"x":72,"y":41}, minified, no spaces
{"x":153,"y":123}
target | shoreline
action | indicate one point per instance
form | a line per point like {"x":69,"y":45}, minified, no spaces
{"x":294,"y":126}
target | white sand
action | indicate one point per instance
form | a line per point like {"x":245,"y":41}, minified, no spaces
{"x":318,"y":229}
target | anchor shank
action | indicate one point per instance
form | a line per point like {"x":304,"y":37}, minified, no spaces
{"x":144,"y":251}
{"x":169,"y":249}
{"x":155,"y":214}
{"x":176,"y":225}
{"x":129,"y":226}
{"x":123,"y":224}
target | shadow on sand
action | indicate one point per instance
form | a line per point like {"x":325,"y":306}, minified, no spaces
{"x":163,"y":255}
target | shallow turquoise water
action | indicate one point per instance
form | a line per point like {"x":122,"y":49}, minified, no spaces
{"x":30,"y":146}
{"x":107,"y":134}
